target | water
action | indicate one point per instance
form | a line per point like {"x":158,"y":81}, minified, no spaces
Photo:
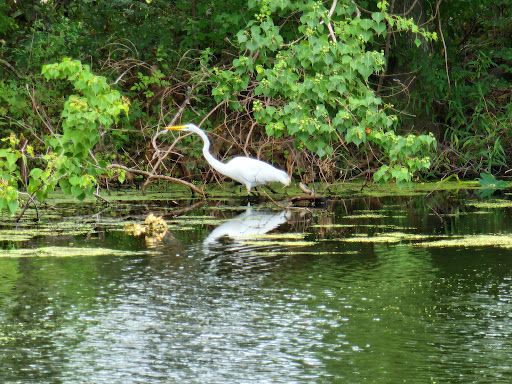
{"x":208,"y":309}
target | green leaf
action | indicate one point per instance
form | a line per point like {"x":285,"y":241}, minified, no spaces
{"x":11,"y":159}
{"x":364,"y":69}
{"x":12,"y":206}
{"x":328,"y":59}
{"x":380,"y":28}
{"x":36,"y":173}
{"x":65,"y":186}
{"x":33,"y":185}
{"x":366,"y":35}
{"x":96,"y":88}
{"x":489,"y":181}
{"x":366,"y":24}
{"x":242,"y":37}
{"x":252,"y":45}
{"x":378,"y":16}
{"x":121,"y":176}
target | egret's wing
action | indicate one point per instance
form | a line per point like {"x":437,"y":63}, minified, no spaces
{"x":255,"y":172}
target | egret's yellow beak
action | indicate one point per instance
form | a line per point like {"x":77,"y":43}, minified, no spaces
{"x":175,"y":127}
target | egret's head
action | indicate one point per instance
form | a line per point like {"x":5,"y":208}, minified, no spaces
{"x":186,"y":128}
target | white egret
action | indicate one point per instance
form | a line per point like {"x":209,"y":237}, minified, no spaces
{"x":247,"y":171}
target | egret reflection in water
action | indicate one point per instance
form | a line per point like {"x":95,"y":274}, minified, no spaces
{"x":249,"y":223}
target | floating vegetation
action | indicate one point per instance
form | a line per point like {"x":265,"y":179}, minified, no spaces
{"x":493,"y":204}
{"x":366,"y":216}
{"x":25,"y":234}
{"x":197,"y":220}
{"x":371,"y":239}
{"x":224,"y":208}
{"x":66,"y":252}
{"x":18,"y":234}
{"x":356,"y":225}
{"x":182,"y":228}
{"x":209,"y":221}
{"x":353,"y":225}
{"x":503,"y":241}
{"x":348,"y":221}
{"x":304,"y":253}
{"x":297,"y":236}
{"x":154,"y":228}
{"x":263,"y":243}
{"x":394,"y":237}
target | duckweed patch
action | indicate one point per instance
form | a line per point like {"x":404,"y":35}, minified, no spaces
{"x":356,"y":225}
{"x":25,"y":234}
{"x":304,"y":253}
{"x":502,"y":241}
{"x":263,"y":243}
{"x":67,"y":252}
{"x":366,"y":216}
{"x":394,"y":237}
{"x":17,"y":234}
{"x":291,"y":236}
{"x":417,"y":189}
{"x":187,"y":221}
{"x":492,"y":204}
{"x":181,"y":228}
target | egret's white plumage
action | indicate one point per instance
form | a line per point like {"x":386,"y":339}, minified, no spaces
{"x":247,"y":171}
{"x":247,"y":225}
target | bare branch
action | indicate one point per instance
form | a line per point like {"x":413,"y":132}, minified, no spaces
{"x":444,"y":45}
{"x":151,"y":176}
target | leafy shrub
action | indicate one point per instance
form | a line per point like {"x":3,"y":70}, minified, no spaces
{"x":313,"y":84}
{"x":69,"y":159}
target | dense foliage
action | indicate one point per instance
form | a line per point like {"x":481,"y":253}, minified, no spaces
{"x":325,"y":89}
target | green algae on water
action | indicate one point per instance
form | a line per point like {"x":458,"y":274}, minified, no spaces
{"x":491,"y":204}
{"x":502,"y":241}
{"x":393,"y":237}
{"x":67,"y":252}
{"x":366,"y":216}
{"x":281,"y":243}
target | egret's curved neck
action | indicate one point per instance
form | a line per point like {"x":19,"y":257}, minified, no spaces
{"x":216,"y":164}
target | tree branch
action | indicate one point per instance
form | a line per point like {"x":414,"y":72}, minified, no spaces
{"x":329,"y":26}
{"x":444,"y":45}
{"x":158,"y":152}
{"x":151,"y":176}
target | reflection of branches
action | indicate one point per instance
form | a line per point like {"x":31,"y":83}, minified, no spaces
{"x":300,"y":220}
{"x":182,"y":211}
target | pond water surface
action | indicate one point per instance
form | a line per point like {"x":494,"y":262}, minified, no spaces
{"x":362,"y":290}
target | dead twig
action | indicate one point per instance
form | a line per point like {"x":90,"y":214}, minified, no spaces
{"x":151,"y":176}
{"x":444,"y":45}
{"x":158,"y":152}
